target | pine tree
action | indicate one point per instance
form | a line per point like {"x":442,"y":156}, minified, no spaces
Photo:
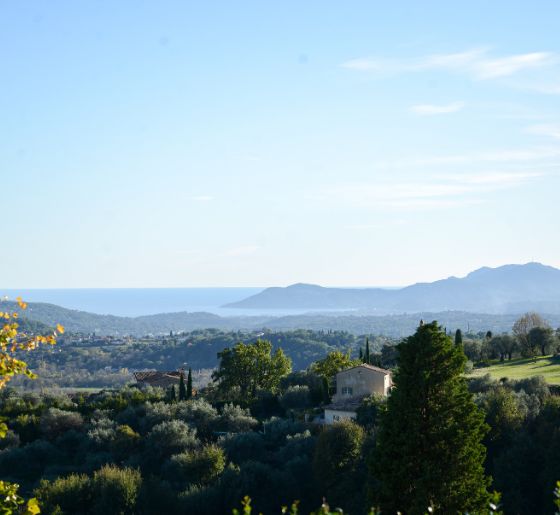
{"x":429,"y":449}
{"x":367,"y":356}
{"x":458,"y":337}
{"x":189,"y":385}
{"x":182,"y":388}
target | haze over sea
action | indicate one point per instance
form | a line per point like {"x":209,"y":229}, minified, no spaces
{"x":133,"y":302}
{"x":144,"y":301}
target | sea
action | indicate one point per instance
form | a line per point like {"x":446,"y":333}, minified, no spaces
{"x":133,"y":302}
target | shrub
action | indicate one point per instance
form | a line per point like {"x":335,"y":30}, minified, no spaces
{"x":198,"y":466}
{"x":296,"y":397}
{"x":55,"y":421}
{"x":235,"y":419}
{"x":69,"y":494}
{"x":115,"y":490}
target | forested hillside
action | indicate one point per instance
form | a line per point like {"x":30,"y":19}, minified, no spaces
{"x":394,"y":326}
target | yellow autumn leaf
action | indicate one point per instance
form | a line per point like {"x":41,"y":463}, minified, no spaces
{"x":60,"y":328}
{"x":33,"y":507}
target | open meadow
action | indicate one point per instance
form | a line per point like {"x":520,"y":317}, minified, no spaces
{"x":546,"y":366}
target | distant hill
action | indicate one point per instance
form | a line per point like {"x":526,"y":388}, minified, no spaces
{"x":81,"y":321}
{"x":42,"y":317}
{"x":508,"y":289}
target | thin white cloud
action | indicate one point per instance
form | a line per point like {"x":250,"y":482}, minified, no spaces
{"x":551,"y":130}
{"x":492,"y":179}
{"x":374,"y":226}
{"x":244,"y":250}
{"x":502,"y":67}
{"x":476,"y":63}
{"x":435,"y":192}
{"x":497,"y":156}
{"x":202,"y":198}
{"x":546,"y":88}
{"x":432,"y":109}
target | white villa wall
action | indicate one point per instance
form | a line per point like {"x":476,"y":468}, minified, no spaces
{"x":332,"y":416}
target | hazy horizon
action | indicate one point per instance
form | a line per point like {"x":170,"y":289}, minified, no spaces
{"x":176,"y":144}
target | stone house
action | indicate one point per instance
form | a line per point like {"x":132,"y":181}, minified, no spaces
{"x":352,"y":385}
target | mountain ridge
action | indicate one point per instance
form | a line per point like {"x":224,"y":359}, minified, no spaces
{"x":510,"y":288}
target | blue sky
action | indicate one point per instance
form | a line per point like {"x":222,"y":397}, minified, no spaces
{"x":257,"y":143}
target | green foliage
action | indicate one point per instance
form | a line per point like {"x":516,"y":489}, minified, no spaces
{"x":503,"y":413}
{"x":369,"y":411}
{"x":338,"y":465}
{"x":429,"y":448}
{"x":540,"y":339}
{"x":189,"y":385}
{"x":197,"y":466}
{"x":115,"y":490}
{"x":166,"y":439}
{"x":296,"y":397}
{"x":111,"y":490}
{"x":367,"y":354}
{"x":504,"y":346}
{"x":248,"y":367}
{"x":333,"y":363}
{"x":235,"y":419}
{"x":521,"y":329}
{"x":458,"y":337}
{"x":182,"y":387}
{"x":55,"y":421}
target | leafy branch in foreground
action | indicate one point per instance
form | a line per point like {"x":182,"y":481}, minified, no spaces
{"x":246,"y":508}
{"x":11,"y":342}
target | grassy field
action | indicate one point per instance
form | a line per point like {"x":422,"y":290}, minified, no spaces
{"x":546,"y":366}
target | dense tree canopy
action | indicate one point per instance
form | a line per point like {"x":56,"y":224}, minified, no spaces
{"x":429,"y":447}
{"x":333,"y":363}
{"x":248,"y":367}
{"x":521,"y":329}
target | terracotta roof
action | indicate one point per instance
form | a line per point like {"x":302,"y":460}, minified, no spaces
{"x":157,"y":378}
{"x":369,"y":367}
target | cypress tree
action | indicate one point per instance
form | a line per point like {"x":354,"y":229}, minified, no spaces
{"x":367,"y":357}
{"x":361,"y":355}
{"x":458,"y":337}
{"x":189,"y":384}
{"x":429,"y":449}
{"x":182,"y":387}
{"x":325,"y":391}
{"x":171,"y":395}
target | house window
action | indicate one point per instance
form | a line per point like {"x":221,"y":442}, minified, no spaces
{"x":347,"y":390}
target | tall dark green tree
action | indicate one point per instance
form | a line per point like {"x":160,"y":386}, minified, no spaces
{"x":182,"y":387}
{"x":171,"y":394}
{"x":429,"y":449}
{"x":458,"y":337}
{"x":361,"y":356}
{"x":189,"y":384}
{"x":367,"y":355}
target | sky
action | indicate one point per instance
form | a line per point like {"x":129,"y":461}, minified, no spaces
{"x":358,"y":143}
